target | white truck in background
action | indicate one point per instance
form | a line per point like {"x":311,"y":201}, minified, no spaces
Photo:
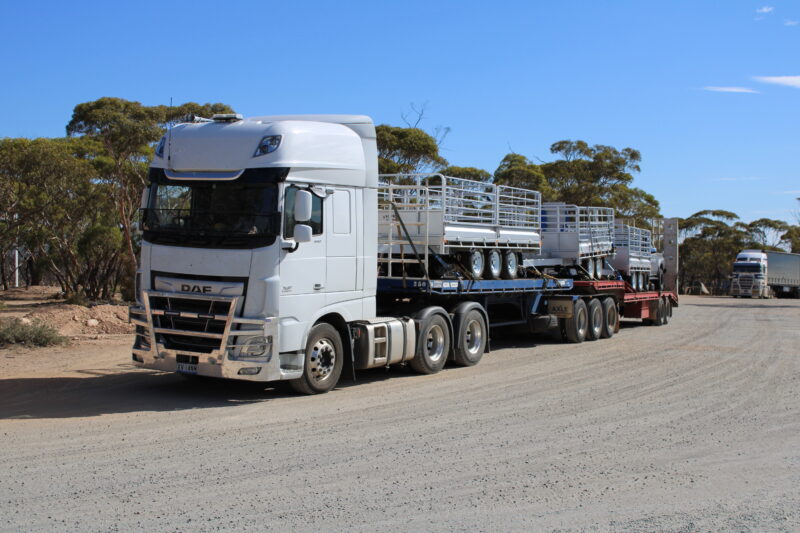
{"x":761,"y":274}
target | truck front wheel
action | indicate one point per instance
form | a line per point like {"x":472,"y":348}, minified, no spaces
{"x":323,"y":363}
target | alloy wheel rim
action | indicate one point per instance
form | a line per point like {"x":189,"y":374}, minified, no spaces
{"x":323,"y":359}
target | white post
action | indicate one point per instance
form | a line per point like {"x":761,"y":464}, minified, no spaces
{"x":16,"y":267}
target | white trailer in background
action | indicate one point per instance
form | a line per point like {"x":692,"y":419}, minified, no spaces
{"x":633,"y":251}
{"x":479,"y":226}
{"x":576,"y":235}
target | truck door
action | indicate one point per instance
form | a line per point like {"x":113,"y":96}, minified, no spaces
{"x":303,"y":270}
{"x":341,"y":241}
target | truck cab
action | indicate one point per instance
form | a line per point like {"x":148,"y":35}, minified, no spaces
{"x":749,"y":277}
{"x":255,"y":232}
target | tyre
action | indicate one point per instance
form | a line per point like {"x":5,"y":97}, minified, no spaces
{"x":510,"y":265}
{"x":494,"y":264}
{"x":471,"y":336}
{"x":595,"y":313}
{"x":576,"y":326}
{"x":610,"y":318}
{"x":667,"y":311}
{"x":433,"y":345}
{"x":475,"y":263}
{"x":323,"y":363}
{"x":659,"y":318}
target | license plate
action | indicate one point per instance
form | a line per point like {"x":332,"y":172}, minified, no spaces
{"x":561,"y":308}
{"x":187,"y":368}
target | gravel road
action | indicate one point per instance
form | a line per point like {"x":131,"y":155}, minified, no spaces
{"x":694,"y":426}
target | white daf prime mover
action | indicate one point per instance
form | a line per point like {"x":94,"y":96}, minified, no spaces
{"x":259,"y":259}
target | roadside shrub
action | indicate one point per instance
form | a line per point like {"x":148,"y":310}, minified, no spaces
{"x":16,"y":331}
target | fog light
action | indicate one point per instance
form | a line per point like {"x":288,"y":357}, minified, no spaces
{"x":249,"y":370}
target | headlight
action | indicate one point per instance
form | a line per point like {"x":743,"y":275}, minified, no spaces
{"x":160,"y":147}
{"x":268,"y":145}
{"x":256,"y":347}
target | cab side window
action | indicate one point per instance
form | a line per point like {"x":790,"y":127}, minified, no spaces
{"x":288,"y":219}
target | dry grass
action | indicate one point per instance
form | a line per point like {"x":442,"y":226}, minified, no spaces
{"x":15,"y":331}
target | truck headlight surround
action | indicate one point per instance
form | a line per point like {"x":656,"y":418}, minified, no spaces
{"x":267,"y":145}
{"x":256,"y":347}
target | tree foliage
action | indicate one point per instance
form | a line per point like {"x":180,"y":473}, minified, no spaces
{"x":70,"y":223}
{"x":599,"y":175}
{"x":467,"y":173}
{"x":517,"y":171}
{"x":407,"y":150}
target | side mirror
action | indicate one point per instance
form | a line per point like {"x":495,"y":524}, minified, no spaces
{"x":302,"y":232}
{"x":302,"y":207}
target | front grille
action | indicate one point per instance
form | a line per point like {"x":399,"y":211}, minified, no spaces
{"x":190,"y":315}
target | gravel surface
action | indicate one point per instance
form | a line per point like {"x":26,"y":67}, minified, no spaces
{"x":694,"y":426}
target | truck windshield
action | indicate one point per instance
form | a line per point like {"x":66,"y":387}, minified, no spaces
{"x":747,"y":267}
{"x":242,"y":213}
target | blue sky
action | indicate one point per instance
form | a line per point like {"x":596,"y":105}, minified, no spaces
{"x":708,"y":91}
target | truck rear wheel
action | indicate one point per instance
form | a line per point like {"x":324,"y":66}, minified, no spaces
{"x":433,"y":345}
{"x":667,"y":311}
{"x":576,"y":326}
{"x":595,"y":313}
{"x":323,"y":363}
{"x":471,"y":336}
{"x":610,"y":318}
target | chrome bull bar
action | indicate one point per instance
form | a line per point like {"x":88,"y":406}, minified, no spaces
{"x":144,"y":315}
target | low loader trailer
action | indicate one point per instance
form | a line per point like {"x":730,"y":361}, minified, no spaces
{"x":273,"y":251}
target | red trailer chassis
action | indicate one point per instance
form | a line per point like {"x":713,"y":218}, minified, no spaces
{"x":632,"y":304}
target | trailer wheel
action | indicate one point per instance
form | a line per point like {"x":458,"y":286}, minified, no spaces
{"x":433,"y":345}
{"x":576,"y":326}
{"x":610,"y":318}
{"x":667,"y":311}
{"x":595,"y":312}
{"x":494,"y":264}
{"x":658,"y":320}
{"x":324,"y":361}
{"x":471,"y":338}
{"x":475,"y":263}
{"x":510,"y":265}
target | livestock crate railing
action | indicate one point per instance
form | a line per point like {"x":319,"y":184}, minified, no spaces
{"x":594,"y":226}
{"x":463,"y":201}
